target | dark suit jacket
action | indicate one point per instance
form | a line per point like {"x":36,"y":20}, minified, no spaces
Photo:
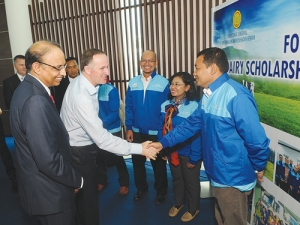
{"x":9,"y":86}
{"x":46,"y":178}
{"x":59,"y":91}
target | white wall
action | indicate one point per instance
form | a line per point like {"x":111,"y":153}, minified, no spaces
{"x":18,"y":26}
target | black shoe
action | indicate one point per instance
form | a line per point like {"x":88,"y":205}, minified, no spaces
{"x":160,"y":199}
{"x":14,"y":187}
{"x":139,"y":195}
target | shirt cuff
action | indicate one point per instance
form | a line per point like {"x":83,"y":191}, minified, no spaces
{"x":135,"y":149}
{"x":81,"y":183}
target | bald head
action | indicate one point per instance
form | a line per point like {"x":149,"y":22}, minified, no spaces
{"x":148,"y":62}
{"x":46,"y":61}
{"x":149,"y":53}
{"x":37,"y":51}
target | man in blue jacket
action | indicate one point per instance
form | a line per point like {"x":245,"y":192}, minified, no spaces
{"x":144,"y":97}
{"x":234,"y":144}
{"x":109,"y":105}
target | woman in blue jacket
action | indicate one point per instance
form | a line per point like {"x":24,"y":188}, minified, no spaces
{"x":184,"y":158}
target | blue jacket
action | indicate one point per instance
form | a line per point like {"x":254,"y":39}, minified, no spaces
{"x":109,"y":105}
{"x":294,"y":180}
{"x":143,"y":111}
{"x":234,"y":143}
{"x":191,"y":147}
{"x":279,"y":169}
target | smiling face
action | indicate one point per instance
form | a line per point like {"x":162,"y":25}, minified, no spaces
{"x":178,"y":88}
{"x":148,"y":63}
{"x":46,"y":73}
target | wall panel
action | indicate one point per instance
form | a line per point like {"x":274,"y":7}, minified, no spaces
{"x":175,"y":29}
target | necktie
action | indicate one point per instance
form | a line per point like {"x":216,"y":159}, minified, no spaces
{"x":52,"y":98}
{"x":171,"y":111}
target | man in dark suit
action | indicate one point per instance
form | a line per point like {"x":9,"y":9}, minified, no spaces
{"x":7,"y":158}
{"x":45,"y":174}
{"x":58,"y":92}
{"x":11,"y":83}
{"x":9,"y":86}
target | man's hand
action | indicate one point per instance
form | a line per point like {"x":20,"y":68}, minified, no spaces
{"x":149,"y":152}
{"x":156,"y":145}
{"x":76,"y":190}
{"x":129,"y":135}
{"x":259,"y":176}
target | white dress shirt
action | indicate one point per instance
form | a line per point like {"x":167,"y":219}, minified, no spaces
{"x":79,"y":113}
{"x":21,"y":77}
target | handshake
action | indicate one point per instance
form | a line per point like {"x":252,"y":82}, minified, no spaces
{"x":151,"y":149}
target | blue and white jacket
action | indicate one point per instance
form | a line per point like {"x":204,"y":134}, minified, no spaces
{"x":143,"y":110}
{"x":234,"y":143}
{"x":109,"y":105}
{"x":191,"y":147}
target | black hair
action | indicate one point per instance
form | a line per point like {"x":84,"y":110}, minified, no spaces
{"x":71,"y":58}
{"x":217,"y":56}
{"x":187,"y":79}
{"x":18,"y":57}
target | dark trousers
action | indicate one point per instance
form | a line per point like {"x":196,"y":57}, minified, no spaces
{"x":87,"y":205}
{"x":158,"y":165}
{"x":294,"y":193}
{"x":231,"y":206}
{"x":118,"y":161}
{"x":284,"y":186}
{"x":186,"y":183}
{"x":66,"y":217}
{"x":5,"y":154}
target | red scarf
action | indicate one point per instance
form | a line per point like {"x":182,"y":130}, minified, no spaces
{"x":171,"y":111}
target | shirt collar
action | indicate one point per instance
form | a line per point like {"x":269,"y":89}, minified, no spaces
{"x":207,"y":92}
{"x":146,"y":79}
{"x":46,"y":88}
{"x":180,"y":102}
{"x":90,"y":88}
{"x":21,"y":77}
{"x":216,"y":84}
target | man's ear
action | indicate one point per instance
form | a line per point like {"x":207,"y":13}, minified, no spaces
{"x":214,"y":69}
{"x":36,"y":68}
{"x":87,"y":69}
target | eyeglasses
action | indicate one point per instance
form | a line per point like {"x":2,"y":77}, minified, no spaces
{"x":60,"y":68}
{"x":148,"y":61}
{"x":176,"y":84}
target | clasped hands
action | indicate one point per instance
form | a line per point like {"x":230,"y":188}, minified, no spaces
{"x":151,"y":149}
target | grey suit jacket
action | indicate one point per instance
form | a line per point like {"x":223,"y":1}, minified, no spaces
{"x":46,"y":178}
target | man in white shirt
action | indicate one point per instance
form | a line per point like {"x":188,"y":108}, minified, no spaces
{"x":79,"y":113}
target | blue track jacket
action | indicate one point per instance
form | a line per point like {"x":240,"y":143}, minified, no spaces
{"x":191,"y":147}
{"x":109,"y":105}
{"x":143,"y":110}
{"x":234,"y":143}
